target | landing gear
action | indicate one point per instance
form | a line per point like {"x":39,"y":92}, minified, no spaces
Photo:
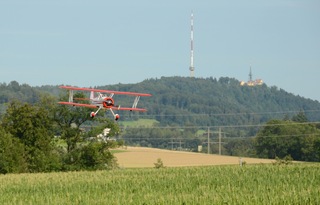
{"x":116,"y":117}
{"x":93,"y":114}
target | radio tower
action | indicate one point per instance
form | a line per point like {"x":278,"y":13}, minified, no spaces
{"x":191,"y":68}
{"x":250,"y":75}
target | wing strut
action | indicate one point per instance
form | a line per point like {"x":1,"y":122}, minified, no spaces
{"x":135,"y":103}
{"x":70,"y":95}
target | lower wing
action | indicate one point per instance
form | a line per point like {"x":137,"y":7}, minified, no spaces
{"x":96,"y":106}
{"x":130,"y":109}
{"x":78,"y":104}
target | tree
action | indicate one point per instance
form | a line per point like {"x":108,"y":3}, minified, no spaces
{"x":97,"y":156}
{"x":12,"y":154}
{"x":282,"y":138}
{"x":69,"y":119}
{"x":300,"y":117}
{"x":240,"y":147}
{"x":28,"y":141}
{"x":103,"y":123}
{"x":30,"y":126}
{"x":80,"y":154}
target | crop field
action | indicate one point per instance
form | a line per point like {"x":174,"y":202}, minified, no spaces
{"x":225,"y":184}
{"x":138,"y":157}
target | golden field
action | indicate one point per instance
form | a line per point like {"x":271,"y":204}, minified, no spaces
{"x":139,"y":157}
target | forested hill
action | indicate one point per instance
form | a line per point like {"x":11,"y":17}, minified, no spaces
{"x":195,"y":101}
{"x":210,"y":101}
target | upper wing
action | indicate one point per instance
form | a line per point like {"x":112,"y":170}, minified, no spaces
{"x":78,"y":104}
{"x":105,"y":91}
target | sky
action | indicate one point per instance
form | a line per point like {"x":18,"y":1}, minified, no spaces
{"x":95,"y":43}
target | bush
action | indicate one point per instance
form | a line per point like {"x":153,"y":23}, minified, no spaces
{"x":93,"y":156}
{"x":284,"y":161}
{"x":159,"y":164}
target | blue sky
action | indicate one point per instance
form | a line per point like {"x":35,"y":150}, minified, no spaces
{"x":98,"y":42}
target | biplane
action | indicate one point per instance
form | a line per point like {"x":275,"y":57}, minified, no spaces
{"x":103,"y":99}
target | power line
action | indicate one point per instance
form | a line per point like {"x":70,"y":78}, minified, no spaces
{"x":222,"y":126}
{"x":227,"y":114}
{"x":226,"y":138}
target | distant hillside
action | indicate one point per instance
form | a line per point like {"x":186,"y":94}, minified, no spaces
{"x":193,"y":101}
{"x":215,"y":102}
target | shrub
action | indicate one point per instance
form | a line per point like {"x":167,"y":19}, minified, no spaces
{"x":159,"y":164}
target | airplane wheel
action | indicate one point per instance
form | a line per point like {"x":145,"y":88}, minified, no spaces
{"x":117,"y":117}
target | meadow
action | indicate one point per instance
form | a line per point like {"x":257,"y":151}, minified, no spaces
{"x":139,"y":123}
{"x":226,"y":184}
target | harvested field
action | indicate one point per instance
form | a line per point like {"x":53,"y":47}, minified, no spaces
{"x":137,"y":157}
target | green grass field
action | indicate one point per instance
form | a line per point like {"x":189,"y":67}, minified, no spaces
{"x":139,"y":123}
{"x":250,"y":184}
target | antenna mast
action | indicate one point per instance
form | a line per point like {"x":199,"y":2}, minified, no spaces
{"x":191,"y":68}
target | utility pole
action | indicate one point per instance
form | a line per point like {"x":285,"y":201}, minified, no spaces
{"x":179,"y":142}
{"x":219,"y":140}
{"x":208,"y":140}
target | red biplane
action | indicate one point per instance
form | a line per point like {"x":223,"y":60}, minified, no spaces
{"x":103,"y":99}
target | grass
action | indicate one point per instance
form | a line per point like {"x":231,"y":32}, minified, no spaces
{"x":258,"y":184}
{"x":139,"y":123}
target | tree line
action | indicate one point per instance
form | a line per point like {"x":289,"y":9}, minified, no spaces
{"x":197,"y":101}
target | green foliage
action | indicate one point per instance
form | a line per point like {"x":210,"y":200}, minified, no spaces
{"x":28,"y":142}
{"x":159,"y":164}
{"x":139,"y":123}
{"x":97,"y":156}
{"x":103,"y":123}
{"x":240,"y":147}
{"x":12,"y":154}
{"x":300,"y":117}
{"x":211,"y":101}
{"x":31,"y":127}
{"x":80,"y":154}
{"x":159,"y":137}
{"x":69,"y":119}
{"x":285,"y":161}
{"x":91,"y":156}
{"x":15,"y":91}
{"x":199,"y":101}
{"x":280,"y":138}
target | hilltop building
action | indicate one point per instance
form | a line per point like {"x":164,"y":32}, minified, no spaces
{"x":251,"y":82}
